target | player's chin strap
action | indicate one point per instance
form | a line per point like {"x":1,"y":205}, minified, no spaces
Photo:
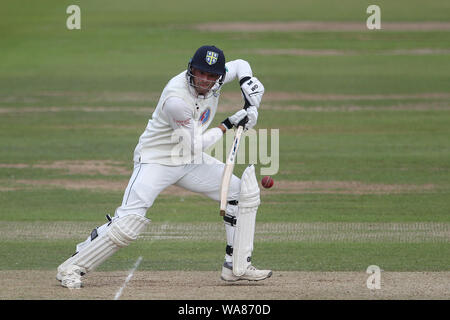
{"x":107,"y":239}
{"x":249,"y":201}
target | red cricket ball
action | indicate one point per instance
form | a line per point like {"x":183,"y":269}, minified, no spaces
{"x":267,"y":182}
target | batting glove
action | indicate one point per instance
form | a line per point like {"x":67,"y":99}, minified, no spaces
{"x":235,"y":119}
{"x":252,"y":91}
{"x":252,"y":114}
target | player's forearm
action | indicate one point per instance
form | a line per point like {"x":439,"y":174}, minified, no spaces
{"x":210,"y":137}
{"x":238,"y":69}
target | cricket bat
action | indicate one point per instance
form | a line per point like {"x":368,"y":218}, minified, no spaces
{"x":229,"y":165}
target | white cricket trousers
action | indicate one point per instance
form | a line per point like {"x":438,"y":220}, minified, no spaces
{"x":149,"y":179}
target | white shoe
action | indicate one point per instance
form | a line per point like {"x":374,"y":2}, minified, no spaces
{"x":251,"y":274}
{"x":70,"y":277}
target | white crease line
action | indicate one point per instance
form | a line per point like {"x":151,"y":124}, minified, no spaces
{"x":138,"y":261}
{"x":130,"y":275}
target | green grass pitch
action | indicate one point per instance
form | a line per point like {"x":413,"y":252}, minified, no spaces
{"x":360,"y":106}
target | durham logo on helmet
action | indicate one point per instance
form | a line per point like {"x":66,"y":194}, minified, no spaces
{"x":211,"y":57}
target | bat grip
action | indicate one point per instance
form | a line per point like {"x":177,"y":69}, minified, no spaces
{"x":242,"y":122}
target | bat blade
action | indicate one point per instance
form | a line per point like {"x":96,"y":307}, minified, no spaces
{"x":228,"y":170}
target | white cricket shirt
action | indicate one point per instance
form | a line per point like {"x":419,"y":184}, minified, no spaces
{"x":177,"y":110}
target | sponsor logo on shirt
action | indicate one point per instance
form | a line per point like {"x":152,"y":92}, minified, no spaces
{"x":205,"y":115}
{"x":182,"y":122}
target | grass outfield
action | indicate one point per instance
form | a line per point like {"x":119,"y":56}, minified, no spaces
{"x":364,"y":120}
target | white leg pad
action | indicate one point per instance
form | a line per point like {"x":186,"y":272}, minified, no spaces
{"x":120,"y":233}
{"x":249,"y":201}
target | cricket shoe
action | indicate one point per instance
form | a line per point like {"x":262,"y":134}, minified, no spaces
{"x":251,"y":274}
{"x":70,"y":277}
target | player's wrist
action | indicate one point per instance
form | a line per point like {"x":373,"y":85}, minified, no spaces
{"x":223,"y":128}
{"x":227,"y":124}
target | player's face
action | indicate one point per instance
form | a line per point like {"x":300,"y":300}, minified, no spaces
{"x":203,"y":81}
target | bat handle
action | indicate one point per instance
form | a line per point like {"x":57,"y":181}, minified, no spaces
{"x":222,"y":213}
{"x":243,"y":122}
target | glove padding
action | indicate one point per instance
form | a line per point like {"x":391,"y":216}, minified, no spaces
{"x":233,"y":121}
{"x":248,"y":116}
{"x":252,"y":114}
{"x":252,"y":91}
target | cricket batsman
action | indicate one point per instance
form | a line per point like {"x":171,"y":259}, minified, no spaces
{"x":170,"y":152}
